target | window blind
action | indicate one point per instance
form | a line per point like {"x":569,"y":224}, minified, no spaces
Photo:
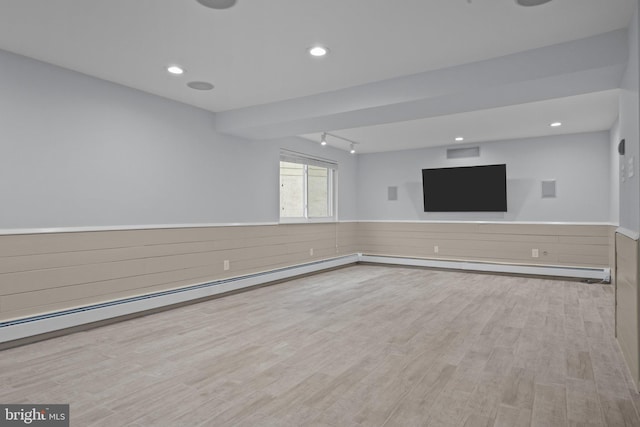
{"x":303,"y":159}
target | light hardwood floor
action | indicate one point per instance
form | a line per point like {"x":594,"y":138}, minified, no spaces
{"x":360,"y":346}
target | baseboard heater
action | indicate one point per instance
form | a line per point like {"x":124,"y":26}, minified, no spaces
{"x":602,"y":274}
{"x":50,"y":322}
{"x":36,"y":325}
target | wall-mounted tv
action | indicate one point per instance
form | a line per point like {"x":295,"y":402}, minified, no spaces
{"x":465,"y":189}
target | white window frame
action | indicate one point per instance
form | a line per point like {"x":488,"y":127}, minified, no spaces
{"x":332,"y":193}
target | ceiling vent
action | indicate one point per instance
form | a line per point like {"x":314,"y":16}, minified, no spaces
{"x":200,"y":85}
{"x":532,"y":2}
{"x":217,"y":4}
{"x":463,"y":153}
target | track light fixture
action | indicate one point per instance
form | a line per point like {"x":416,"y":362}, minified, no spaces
{"x":352,"y":144}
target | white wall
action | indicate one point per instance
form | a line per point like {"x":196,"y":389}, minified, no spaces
{"x":629,"y":130}
{"x":580,"y":163}
{"x":79,"y":151}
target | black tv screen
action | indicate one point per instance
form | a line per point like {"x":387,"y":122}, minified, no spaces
{"x":465,"y":189}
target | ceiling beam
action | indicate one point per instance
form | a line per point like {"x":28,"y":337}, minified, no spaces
{"x":583,"y":66}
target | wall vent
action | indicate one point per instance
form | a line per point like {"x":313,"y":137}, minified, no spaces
{"x":463,"y":153}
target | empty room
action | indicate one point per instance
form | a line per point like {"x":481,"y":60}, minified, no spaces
{"x":319,"y":213}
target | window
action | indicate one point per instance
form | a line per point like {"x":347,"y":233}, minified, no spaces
{"x":307,"y":188}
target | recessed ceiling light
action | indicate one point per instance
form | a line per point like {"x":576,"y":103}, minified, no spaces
{"x":318,"y":51}
{"x":459,"y":138}
{"x":175,"y":69}
{"x":555,"y":124}
{"x":217,"y":4}
{"x":200,"y":85}
{"x":532,"y":2}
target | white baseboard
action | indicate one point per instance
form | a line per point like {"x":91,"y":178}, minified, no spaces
{"x":603,"y":274}
{"x":49,"y":322}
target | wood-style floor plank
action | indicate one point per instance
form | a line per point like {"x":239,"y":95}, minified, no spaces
{"x":359,"y":346}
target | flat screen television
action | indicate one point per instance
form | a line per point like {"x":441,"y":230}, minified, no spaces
{"x":465,"y":189}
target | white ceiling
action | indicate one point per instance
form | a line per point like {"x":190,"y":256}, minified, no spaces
{"x":254,"y":53}
{"x":581,"y":113}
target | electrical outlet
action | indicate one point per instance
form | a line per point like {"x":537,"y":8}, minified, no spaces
{"x":226,"y":264}
{"x":436,"y":249}
{"x":535,"y":253}
{"x":311,"y":251}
